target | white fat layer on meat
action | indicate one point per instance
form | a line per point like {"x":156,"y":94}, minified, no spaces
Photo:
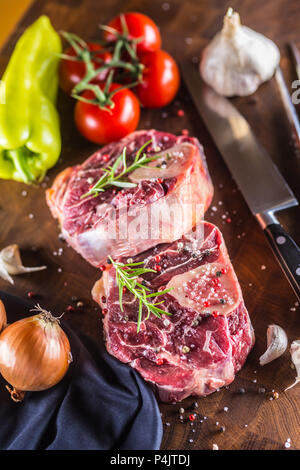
{"x":206,"y":347}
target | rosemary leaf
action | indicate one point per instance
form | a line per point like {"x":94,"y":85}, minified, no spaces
{"x":127,"y":275}
{"x":110,"y":178}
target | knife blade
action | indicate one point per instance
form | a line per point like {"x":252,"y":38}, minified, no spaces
{"x":257,"y":177}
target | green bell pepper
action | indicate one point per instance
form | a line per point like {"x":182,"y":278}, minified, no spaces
{"x":30,"y":141}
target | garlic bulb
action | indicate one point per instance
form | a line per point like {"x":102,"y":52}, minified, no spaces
{"x":238,"y":59}
{"x":277,"y":342}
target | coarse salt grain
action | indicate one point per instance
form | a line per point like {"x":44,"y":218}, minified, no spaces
{"x":215,"y":447}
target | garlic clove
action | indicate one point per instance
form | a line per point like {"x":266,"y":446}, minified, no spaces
{"x":277,"y":342}
{"x":11,"y":263}
{"x":4,"y":274}
{"x":238,"y":59}
{"x":295,"y":356}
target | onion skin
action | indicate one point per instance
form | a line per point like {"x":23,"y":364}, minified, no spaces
{"x":3,"y":317}
{"x":34,"y":354}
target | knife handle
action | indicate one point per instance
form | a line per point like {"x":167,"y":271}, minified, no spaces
{"x":287,"y":254}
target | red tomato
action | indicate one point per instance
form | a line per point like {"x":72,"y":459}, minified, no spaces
{"x":161,"y":79}
{"x":101,"y":126}
{"x":139,"y":26}
{"x":72,"y":72}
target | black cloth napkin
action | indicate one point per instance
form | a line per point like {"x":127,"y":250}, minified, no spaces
{"x":100,"y":404}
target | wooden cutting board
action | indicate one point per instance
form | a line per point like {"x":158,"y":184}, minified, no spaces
{"x":252,"y":419}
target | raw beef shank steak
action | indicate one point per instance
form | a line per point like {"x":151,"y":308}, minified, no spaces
{"x":169,"y":197}
{"x":206,"y":339}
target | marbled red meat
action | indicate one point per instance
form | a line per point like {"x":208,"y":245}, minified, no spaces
{"x":208,"y":336}
{"x":170,"y":196}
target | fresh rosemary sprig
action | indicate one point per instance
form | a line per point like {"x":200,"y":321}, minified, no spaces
{"x":127,"y":275}
{"x":110,"y":178}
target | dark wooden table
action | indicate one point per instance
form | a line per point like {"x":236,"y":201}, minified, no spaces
{"x":252,"y":421}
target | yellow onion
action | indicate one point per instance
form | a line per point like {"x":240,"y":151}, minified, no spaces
{"x":3,"y":318}
{"x":34,"y":354}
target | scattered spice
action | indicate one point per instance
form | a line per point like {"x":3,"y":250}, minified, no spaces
{"x":180,"y":112}
{"x":192,"y":417}
{"x":30,"y":295}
